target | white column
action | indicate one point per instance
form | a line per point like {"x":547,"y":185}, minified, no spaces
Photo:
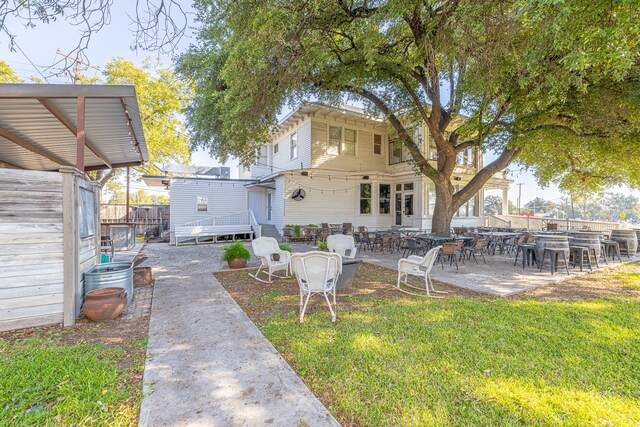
{"x":505,"y":201}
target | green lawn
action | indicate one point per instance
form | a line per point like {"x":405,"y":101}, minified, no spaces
{"x":465,"y":361}
{"x":45,"y":380}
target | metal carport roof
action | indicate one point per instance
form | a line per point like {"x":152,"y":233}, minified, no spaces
{"x":40,"y":130}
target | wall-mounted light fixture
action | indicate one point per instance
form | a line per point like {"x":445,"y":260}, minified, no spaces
{"x":365,"y":177}
{"x":457,"y":178}
{"x":305,"y":173}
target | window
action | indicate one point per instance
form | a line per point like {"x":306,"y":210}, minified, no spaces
{"x":201,"y":204}
{"x":385,"y":199}
{"x":293,"y":152}
{"x":377,"y":144}
{"x":432,"y":199}
{"x":408,"y":187}
{"x":395,"y":152}
{"x":398,"y":187}
{"x":335,"y":139}
{"x":349,"y":145}
{"x":275,"y":148}
{"x":365,"y":198}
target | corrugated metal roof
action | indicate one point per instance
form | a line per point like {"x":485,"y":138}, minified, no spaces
{"x":32,"y":137}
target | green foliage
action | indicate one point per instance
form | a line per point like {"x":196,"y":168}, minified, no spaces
{"x":7,"y":75}
{"x":45,"y":382}
{"x":493,"y":205}
{"x":285,"y":247}
{"x":297,"y":230}
{"x":322,"y":245}
{"x":161,"y":98}
{"x":519,"y":70}
{"x":236,"y":250}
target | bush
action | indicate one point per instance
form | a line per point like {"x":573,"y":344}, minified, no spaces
{"x":285,"y":247}
{"x":236,"y":251}
{"x":322,"y":246}
{"x":297,"y":230}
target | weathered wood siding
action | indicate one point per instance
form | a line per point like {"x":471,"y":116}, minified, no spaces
{"x":88,"y":249}
{"x":31,"y":248}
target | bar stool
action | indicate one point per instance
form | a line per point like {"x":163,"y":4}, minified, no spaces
{"x":528,"y":254}
{"x":554,"y":254}
{"x":578,"y":253}
{"x":611,"y":247}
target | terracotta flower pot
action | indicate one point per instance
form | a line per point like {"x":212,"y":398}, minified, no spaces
{"x":104,"y":304}
{"x":237,"y":263}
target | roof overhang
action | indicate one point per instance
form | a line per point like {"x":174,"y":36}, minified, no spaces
{"x":157,"y":181}
{"x":41,"y":127}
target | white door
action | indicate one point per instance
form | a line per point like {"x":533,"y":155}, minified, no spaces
{"x":269,"y":206}
{"x":404,"y":204}
{"x":255,"y":205}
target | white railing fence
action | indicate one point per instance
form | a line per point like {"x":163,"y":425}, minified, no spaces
{"x":235,"y":223}
{"x":540,"y":223}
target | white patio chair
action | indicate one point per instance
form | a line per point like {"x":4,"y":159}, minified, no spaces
{"x":317,"y":273}
{"x":264,"y":248}
{"x":342,"y":244}
{"x":419,"y":266}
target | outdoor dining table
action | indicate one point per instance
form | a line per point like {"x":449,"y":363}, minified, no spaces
{"x":499,"y":234}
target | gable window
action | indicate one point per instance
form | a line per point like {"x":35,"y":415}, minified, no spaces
{"x":293,"y":151}
{"x":201,"y":203}
{"x":377,"y":144}
{"x":385,"y":199}
{"x":275,"y":148}
{"x":365,"y":199}
{"x":349,"y":145}
{"x":335,"y":139}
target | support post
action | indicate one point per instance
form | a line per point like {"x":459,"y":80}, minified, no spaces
{"x":80,"y":135}
{"x":128,"y":179}
{"x":70,"y":243}
{"x":505,"y":201}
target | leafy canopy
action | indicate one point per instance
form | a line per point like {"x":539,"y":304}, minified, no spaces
{"x":521,"y":71}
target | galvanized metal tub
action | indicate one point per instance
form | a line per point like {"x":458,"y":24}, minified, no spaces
{"x":110,"y":275}
{"x":628,"y":236}
{"x":588,"y":239}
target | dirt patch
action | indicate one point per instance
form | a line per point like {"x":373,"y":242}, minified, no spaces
{"x":282,"y":295}
{"x":620,"y":281}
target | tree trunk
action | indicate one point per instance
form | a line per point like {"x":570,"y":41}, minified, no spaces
{"x":444,"y":209}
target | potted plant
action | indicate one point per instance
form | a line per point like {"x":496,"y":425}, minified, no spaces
{"x":297,"y":230}
{"x":236,"y":255}
{"x":283,"y":247}
{"x":322,"y":246}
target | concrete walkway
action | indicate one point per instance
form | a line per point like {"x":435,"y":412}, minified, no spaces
{"x":208,"y":365}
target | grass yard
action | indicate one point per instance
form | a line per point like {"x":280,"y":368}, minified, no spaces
{"x":566,"y":354}
{"x":85,"y":375}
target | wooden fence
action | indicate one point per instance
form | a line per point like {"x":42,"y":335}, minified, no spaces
{"x":146,"y":217}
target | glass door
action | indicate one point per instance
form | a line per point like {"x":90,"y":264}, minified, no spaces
{"x":269,"y":205}
{"x":407,"y":218}
{"x":398,"y":208}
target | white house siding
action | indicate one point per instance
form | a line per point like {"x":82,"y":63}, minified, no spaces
{"x":333,"y":200}
{"x":31,"y":249}
{"x":364,"y":159}
{"x":224,"y":197}
{"x":278,"y":211}
{"x":282,"y":159}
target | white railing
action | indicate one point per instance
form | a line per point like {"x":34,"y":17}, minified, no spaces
{"x":540,"y":223}
{"x":230,"y":224}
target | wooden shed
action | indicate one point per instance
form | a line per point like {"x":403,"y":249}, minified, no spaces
{"x":50,"y":136}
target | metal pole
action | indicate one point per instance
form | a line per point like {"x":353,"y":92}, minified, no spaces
{"x":128,"y":178}
{"x":80,"y":135}
{"x":519,"y":196}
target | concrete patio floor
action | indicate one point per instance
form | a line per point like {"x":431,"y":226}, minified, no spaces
{"x":497,"y":277}
{"x":207,"y":363}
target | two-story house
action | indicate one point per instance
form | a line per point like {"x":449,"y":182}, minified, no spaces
{"x":335,"y":165}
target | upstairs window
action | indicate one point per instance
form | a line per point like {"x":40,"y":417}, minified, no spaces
{"x":335,"y":139}
{"x":293,"y":151}
{"x":348,"y":147}
{"x":365,"y":199}
{"x":275,"y":148}
{"x":377,"y":144}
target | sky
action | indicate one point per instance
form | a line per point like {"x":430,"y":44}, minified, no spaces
{"x":39,"y":45}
